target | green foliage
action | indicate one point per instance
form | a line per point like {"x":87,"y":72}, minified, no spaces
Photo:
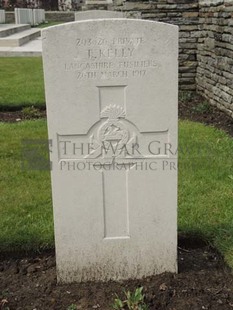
{"x":12,"y":2}
{"x":202,"y":107}
{"x":186,"y":96}
{"x":133,"y":301}
{"x":3,"y":300}
{"x":72,"y":307}
{"x":31,"y":112}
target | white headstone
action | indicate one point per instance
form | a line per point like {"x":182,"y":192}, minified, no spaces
{"x":2,"y":17}
{"x":38,"y":16}
{"x":111,"y":93}
{"x":24,"y":16}
{"x":97,"y":14}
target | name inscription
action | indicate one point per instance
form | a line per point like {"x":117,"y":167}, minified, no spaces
{"x":110,"y":59}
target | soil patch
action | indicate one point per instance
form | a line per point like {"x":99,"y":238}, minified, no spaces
{"x":203,"y":282}
{"x":18,"y":116}
{"x":193,"y":107}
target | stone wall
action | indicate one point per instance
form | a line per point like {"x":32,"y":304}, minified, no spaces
{"x":206,"y":41}
{"x":49,"y":16}
{"x":10,"y":17}
{"x":215,"y":53}
{"x":59,"y":16}
{"x":183,"y":13}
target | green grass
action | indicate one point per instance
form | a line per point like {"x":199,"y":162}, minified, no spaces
{"x":22,"y":83}
{"x":25,"y":198}
{"x":206,"y":186}
{"x":49,"y":24}
{"x":205,"y":189}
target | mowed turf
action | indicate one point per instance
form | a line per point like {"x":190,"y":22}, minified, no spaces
{"x":205,"y":189}
{"x":206,"y":185}
{"x":26,"y":220}
{"x":22,"y":83}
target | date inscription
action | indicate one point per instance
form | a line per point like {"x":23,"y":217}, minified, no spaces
{"x":110,"y":59}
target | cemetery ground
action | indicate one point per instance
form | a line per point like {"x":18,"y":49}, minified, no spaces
{"x":49,"y":24}
{"x":27,"y":263}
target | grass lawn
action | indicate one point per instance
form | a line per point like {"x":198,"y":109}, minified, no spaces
{"x":22,"y":83}
{"x":25,"y":198}
{"x":206,"y":185}
{"x":49,"y":24}
{"x":205,"y":189}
